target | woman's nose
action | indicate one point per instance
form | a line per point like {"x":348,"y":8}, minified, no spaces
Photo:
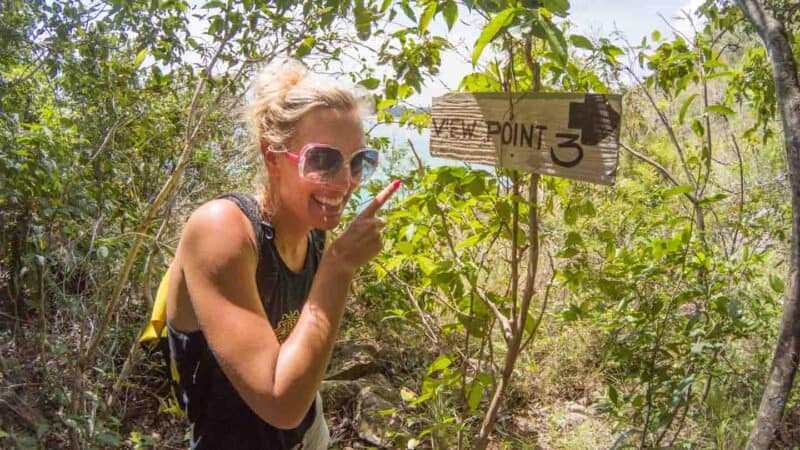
{"x":342,"y":180}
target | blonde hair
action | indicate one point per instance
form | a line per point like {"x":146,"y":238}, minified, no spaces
{"x":283,"y":91}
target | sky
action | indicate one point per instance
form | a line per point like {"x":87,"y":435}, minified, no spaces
{"x":591,"y":18}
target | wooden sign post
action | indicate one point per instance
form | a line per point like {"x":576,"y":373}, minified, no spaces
{"x":565,"y":135}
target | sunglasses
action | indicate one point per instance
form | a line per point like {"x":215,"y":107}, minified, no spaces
{"x":321,"y":163}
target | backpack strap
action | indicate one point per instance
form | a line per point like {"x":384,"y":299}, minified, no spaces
{"x":251,"y":209}
{"x":267,"y":269}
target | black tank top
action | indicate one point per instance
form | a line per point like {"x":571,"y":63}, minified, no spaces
{"x":220,"y":419}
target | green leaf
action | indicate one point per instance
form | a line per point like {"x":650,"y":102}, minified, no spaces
{"x":450,"y":12}
{"x":570,"y":215}
{"x":713,"y":199}
{"x":581,"y":42}
{"x":656,"y":35}
{"x":305,"y":47}
{"x":139,"y":58}
{"x":573,"y":239}
{"x":613,"y":395}
{"x":440,"y":363}
{"x":427,"y":15}
{"x":491,"y":30}
{"x":407,"y":394}
{"x":385,"y":5}
{"x":370,"y":83}
{"x":568,"y":252}
{"x":474,"y":395}
{"x":678,"y":190}
{"x":408,"y":11}
{"x":720,"y":109}
{"x":385,"y":103}
{"x":556,"y":40}
{"x":471,"y":241}
{"x":102,"y":252}
{"x":685,"y":107}
{"x":216,"y":25}
{"x":363,"y":21}
{"x":426,"y":265}
{"x":776,"y":283}
{"x":557,"y":7}
{"x":421,"y":398}
{"x":723,"y":73}
{"x":391,"y":88}
{"x":697,"y":127}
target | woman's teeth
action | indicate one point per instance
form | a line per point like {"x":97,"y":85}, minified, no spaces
{"x":330,"y":201}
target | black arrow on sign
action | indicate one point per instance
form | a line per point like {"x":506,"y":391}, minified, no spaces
{"x":595,"y":118}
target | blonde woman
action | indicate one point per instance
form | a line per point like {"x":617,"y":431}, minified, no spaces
{"x":255,"y":296}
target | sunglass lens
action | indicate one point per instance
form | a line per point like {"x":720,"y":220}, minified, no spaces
{"x":322,"y":163}
{"x":363,"y":164}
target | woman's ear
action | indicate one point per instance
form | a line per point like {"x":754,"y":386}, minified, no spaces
{"x":270,"y":159}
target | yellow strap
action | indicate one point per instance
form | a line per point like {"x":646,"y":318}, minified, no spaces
{"x":158,"y":319}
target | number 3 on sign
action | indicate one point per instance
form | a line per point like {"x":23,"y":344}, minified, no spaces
{"x":569,"y":143}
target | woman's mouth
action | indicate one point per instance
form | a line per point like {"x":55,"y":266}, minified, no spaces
{"x":329,"y":205}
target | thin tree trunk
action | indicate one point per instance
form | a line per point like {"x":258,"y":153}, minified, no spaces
{"x":787,"y":349}
{"x":519,"y":316}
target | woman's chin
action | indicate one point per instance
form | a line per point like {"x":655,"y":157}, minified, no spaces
{"x":327,"y":217}
{"x":328,"y":223}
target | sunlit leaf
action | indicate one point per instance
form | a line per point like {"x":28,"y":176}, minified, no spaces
{"x":137,"y":62}
{"x":581,"y":42}
{"x":777,"y":284}
{"x":427,"y":15}
{"x":440,"y":363}
{"x":555,"y":38}
{"x":426,"y":264}
{"x":407,"y":394}
{"x":370,"y":83}
{"x":678,"y":190}
{"x":656,"y":35}
{"x":557,"y":7}
{"x":450,"y":12}
{"x":720,"y":109}
{"x":498,"y":23}
{"x":474,"y":395}
{"x":685,"y":107}
{"x":698,"y":128}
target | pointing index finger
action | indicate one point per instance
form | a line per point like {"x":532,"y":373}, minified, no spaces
{"x":380,"y":199}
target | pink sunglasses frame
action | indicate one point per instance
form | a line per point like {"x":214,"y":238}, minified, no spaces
{"x":300,"y":157}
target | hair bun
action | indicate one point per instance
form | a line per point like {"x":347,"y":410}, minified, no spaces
{"x":278,"y":77}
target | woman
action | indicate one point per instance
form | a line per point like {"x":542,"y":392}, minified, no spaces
{"x":254,"y":302}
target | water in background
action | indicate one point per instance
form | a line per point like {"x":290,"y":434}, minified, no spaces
{"x":399,"y":138}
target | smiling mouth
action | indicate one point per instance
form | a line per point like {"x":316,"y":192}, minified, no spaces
{"x":329,"y":202}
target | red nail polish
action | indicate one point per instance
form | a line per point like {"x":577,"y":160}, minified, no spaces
{"x":396,"y":184}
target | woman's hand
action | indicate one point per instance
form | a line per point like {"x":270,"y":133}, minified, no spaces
{"x":361,"y":241}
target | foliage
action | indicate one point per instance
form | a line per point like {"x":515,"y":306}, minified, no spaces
{"x":677,"y":278}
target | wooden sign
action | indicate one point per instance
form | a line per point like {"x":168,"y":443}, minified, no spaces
{"x":565,"y":135}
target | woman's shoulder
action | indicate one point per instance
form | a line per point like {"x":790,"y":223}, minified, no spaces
{"x":218,"y":226}
{"x":219,"y":212}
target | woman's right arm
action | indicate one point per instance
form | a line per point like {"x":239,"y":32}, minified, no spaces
{"x":218,"y":257}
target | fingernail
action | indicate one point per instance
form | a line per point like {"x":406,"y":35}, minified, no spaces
{"x":396,"y":184}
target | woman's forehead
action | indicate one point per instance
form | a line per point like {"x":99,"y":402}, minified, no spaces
{"x":341,"y":129}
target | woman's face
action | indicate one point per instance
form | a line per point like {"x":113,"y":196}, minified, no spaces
{"x":309,"y":204}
